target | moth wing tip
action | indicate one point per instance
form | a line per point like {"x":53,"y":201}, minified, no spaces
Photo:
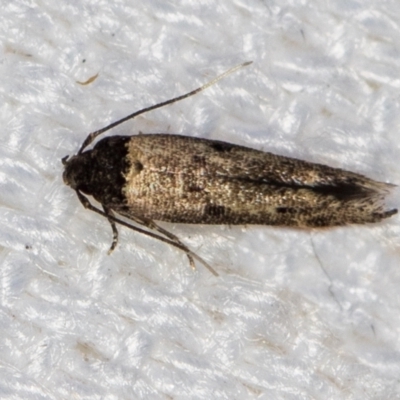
{"x":384,"y":187}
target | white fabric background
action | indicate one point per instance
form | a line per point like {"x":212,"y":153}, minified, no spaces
{"x":293,"y":314}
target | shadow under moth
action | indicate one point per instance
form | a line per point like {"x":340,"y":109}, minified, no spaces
{"x":182,"y":179}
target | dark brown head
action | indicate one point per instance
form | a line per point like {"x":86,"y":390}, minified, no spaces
{"x":74,"y":170}
{"x":99,"y":172}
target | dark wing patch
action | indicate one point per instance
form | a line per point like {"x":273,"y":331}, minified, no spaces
{"x":343,"y":191}
{"x":282,"y":210}
{"x":221,"y":147}
{"x":214,"y":210}
{"x":138,"y":166}
{"x":194,"y":188}
{"x":199,"y":160}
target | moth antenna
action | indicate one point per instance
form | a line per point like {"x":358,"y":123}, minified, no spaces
{"x":92,"y":136}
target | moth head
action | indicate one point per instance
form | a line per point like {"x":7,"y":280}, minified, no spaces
{"x":75,"y":169}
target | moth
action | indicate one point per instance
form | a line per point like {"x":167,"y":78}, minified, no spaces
{"x":182,"y":179}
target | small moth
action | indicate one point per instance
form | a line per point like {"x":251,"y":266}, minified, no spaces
{"x":183,"y":179}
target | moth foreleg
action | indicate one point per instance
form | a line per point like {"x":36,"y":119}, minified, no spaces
{"x":86,"y":203}
{"x":114,"y":243}
{"x":107,"y":213}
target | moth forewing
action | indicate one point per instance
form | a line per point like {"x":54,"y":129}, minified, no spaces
{"x":183,"y":179}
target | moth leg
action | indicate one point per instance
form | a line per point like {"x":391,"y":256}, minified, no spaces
{"x":107,"y":213}
{"x":148,"y":223}
{"x":114,"y":243}
{"x":86,"y":204}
